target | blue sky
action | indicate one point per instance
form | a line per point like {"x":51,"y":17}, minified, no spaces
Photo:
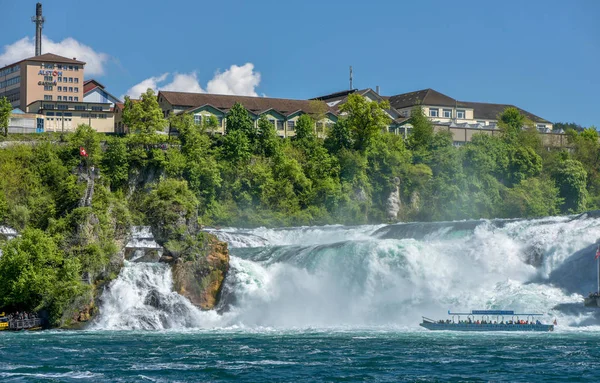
{"x":543,"y":56}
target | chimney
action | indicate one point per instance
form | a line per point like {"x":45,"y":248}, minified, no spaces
{"x":377,"y":89}
{"x":38,"y":19}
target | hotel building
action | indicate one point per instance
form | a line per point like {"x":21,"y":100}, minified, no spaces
{"x":52,"y":88}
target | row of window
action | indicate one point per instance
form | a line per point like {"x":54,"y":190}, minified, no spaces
{"x":9,"y":82}
{"x":66,"y":114}
{"x":9,"y":70}
{"x":60,"y":66}
{"x":63,"y":106}
{"x":67,"y":79}
{"x":279,"y":124}
{"x":93,"y":115}
{"x":68,"y":89}
{"x":447,"y":113}
{"x":48,"y":97}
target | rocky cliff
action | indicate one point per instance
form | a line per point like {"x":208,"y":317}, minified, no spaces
{"x":199,"y":276}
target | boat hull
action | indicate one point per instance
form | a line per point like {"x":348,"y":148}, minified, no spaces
{"x":486,"y":327}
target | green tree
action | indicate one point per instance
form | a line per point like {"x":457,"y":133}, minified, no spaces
{"x":421,"y":135}
{"x":366,"y":119}
{"x":144,"y":116}
{"x":267,"y":140}
{"x":5,"y":110}
{"x":36,"y":275}
{"x":86,"y":137}
{"x":239,"y":120}
{"x":115,"y":162}
{"x":338,"y":137}
{"x":571,"y":178}
{"x":532,"y":197}
{"x":305,"y":127}
{"x":236,"y":147}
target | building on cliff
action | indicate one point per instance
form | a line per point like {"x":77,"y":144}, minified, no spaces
{"x":282,"y":113}
{"x":462,"y":119}
{"x":52,"y":88}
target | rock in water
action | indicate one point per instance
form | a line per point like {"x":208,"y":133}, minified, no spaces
{"x":200,"y":276}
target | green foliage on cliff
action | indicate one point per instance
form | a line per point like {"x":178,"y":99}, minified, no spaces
{"x":252,"y":177}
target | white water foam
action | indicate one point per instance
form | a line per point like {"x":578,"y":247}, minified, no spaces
{"x":339,"y":277}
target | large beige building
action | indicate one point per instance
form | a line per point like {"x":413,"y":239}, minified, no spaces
{"x":47,"y":77}
{"x":52,"y":87}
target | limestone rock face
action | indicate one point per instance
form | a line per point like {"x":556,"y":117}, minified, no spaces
{"x":394,"y":203}
{"x":200,"y":276}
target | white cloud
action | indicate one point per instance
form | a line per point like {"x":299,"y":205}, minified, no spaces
{"x":184,"y":82}
{"x":237,"y":80}
{"x":69,"y":47}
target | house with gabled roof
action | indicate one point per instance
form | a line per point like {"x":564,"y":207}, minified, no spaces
{"x":282,"y":113}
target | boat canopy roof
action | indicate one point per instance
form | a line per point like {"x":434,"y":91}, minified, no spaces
{"x":492,"y":312}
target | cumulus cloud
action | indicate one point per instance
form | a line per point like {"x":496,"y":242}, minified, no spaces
{"x":69,"y":47}
{"x":237,"y":80}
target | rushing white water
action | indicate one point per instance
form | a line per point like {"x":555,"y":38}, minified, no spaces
{"x":141,"y":298}
{"x":386,"y":275}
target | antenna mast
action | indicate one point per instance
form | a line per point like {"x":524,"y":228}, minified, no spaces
{"x":38,"y":19}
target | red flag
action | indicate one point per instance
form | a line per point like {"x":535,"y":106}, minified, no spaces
{"x":82,"y":152}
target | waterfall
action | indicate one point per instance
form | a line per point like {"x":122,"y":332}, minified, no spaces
{"x":379,"y":275}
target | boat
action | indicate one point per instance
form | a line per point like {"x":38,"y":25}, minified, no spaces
{"x":488,"y":320}
{"x":12,"y":324}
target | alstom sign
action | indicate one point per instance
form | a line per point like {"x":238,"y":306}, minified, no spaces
{"x":50,"y":73}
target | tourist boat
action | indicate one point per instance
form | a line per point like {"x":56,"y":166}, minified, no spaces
{"x":488,"y":320}
{"x":10,"y":324}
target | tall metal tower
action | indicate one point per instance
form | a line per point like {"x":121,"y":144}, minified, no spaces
{"x":351,"y":78}
{"x":38,"y":19}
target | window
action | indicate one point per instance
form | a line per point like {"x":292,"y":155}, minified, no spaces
{"x":460,"y":114}
{"x":76,"y":99}
{"x":48,"y":78}
{"x":76,"y":80}
{"x":63,"y":107}
{"x":219,"y":121}
{"x":9,"y":82}
{"x":69,"y":114}
{"x":59,"y":79}
{"x":48,"y":66}
{"x":59,"y":98}
{"x":447,"y":113}
{"x":197,"y":119}
{"x":97,"y":108}
{"x":76,"y":90}
{"x":85,"y":115}
{"x":541,"y":127}
{"x":65,"y":89}
{"x":279,"y":125}
{"x":49,"y":113}
{"x":47,"y":97}
{"x":79,"y":107}
{"x":433,"y":112}
{"x":291,"y":125}
{"x":70,"y":98}
{"x":272,"y":121}
{"x":48,"y":106}
{"x":76,"y":67}
{"x":47,"y":87}
{"x":70,"y":67}
{"x":70,"y":79}
{"x":93,"y":115}
{"x":60,"y":88}
{"x":481,"y":122}
{"x":102,"y":115}
{"x":70,"y":89}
